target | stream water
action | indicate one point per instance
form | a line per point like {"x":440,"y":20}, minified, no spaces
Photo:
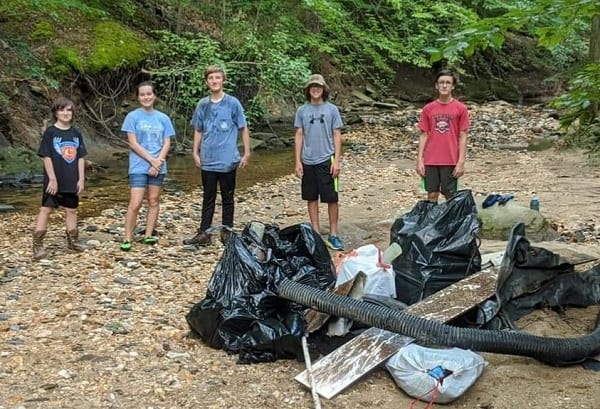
{"x":107,"y":188}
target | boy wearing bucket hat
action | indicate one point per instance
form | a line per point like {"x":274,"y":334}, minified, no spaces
{"x":318,"y":150}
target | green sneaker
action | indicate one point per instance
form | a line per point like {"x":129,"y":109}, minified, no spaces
{"x":126,"y":245}
{"x":150,"y":240}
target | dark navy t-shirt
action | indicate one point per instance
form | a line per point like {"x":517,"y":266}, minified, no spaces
{"x":64,"y":147}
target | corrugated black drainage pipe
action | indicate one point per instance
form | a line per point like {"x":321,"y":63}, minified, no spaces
{"x":553,"y":351}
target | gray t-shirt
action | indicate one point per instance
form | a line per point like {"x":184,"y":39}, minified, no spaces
{"x":317,"y":122}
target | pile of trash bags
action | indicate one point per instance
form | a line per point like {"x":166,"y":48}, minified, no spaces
{"x":241,"y":312}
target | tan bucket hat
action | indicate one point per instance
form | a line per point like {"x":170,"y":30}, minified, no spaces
{"x":318,"y":80}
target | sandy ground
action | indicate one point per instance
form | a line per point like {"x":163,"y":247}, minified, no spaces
{"x":106,"y":329}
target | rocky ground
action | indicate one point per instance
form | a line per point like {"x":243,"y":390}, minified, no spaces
{"x":107,"y":329}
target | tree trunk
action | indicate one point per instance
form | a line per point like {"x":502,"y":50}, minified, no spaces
{"x":595,"y":49}
{"x":595,"y":40}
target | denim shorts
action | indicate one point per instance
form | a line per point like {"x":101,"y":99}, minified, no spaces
{"x":143,"y":180}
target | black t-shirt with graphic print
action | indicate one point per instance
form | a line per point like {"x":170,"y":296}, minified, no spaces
{"x":64,"y":147}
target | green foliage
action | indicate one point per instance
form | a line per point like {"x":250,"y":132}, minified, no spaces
{"x":583,"y":93}
{"x":371,"y":38}
{"x":123,"y":9}
{"x":360,"y":38}
{"x":66,"y":60}
{"x":43,"y":31}
{"x":18,"y":160}
{"x":552,"y":22}
{"x":25,"y":64}
{"x":76,"y":38}
{"x":178,"y":67}
{"x":265,"y":70}
{"x":257,"y":71}
{"x":116,"y":47}
{"x":558,"y":25}
{"x":55,"y":9}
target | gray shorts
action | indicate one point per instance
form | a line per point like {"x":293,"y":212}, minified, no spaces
{"x":440,"y":179}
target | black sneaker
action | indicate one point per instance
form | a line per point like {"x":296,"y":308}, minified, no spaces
{"x":200,"y":239}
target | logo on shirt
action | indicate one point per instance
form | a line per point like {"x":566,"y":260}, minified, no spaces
{"x":442,"y":123}
{"x":66,"y":149}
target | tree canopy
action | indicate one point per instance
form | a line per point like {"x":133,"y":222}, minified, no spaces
{"x":271,"y":46}
{"x":556,"y":25}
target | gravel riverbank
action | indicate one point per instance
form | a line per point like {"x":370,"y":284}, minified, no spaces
{"x":106,"y":329}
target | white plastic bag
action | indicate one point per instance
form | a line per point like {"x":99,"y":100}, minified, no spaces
{"x":378,"y":280}
{"x":435,"y":375}
{"x":368,"y":259}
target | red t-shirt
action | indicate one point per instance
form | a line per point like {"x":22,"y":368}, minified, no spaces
{"x":443,"y":123}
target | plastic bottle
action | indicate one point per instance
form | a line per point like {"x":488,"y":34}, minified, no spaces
{"x":258,"y":228}
{"x":390,"y":254}
{"x":534,"y":203}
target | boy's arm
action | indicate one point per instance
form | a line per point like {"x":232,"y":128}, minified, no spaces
{"x":52,"y":187}
{"x":421,"y":153}
{"x":196,"y":147}
{"x":81,"y":180}
{"x":459,"y":169}
{"x":298,"y":139}
{"x":337,"y":160}
{"x":246,"y":141}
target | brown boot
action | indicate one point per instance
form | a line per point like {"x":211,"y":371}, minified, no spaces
{"x":39,"y":251}
{"x":224,"y":236}
{"x":200,"y":239}
{"x":73,"y":241}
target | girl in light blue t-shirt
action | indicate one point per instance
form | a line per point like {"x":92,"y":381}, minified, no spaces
{"x":149,"y":133}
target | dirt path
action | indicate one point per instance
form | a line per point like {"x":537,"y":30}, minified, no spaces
{"x":106,"y":329}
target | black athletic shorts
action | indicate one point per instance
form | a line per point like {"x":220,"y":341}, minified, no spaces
{"x":318,"y":182}
{"x":68,"y":200}
{"x":440,"y":179}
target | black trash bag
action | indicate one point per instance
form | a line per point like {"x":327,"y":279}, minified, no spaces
{"x":235,"y":322}
{"x":205,"y":318}
{"x":235,"y":289}
{"x":241,"y":293}
{"x":239,"y":273}
{"x":307,"y":256}
{"x":532,"y":277}
{"x":439,"y":246}
{"x":273,"y":338}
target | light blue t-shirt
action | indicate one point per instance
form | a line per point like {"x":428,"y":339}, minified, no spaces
{"x":317,"y":122}
{"x":150,"y":129}
{"x":220,"y":124}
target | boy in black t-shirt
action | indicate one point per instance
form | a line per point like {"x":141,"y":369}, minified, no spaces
{"x":62,"y":150}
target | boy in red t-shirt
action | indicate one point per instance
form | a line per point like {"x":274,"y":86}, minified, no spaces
{"x":443,"y":142}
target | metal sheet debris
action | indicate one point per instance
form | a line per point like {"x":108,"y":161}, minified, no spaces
{"x":337,"y":370}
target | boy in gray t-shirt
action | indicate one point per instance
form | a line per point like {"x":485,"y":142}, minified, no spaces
{"x":318,"y":150}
